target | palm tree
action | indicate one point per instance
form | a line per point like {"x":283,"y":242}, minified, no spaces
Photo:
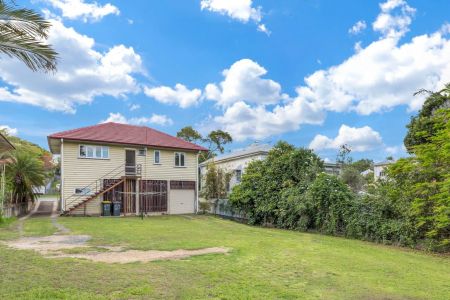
{"x":22,"y":35}
{"x":25,"y":171}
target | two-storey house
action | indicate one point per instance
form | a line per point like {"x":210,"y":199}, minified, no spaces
{"x":147,"y":171}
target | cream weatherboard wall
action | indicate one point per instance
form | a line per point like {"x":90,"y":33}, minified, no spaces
{"x":231,"y":165}
{"x":79,"y":172}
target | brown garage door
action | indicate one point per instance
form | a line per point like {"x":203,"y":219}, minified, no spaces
{"x":153,"y":196}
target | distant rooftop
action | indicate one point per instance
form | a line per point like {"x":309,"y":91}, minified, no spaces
{"x":384,"y":163}
{"x":253,"y":149}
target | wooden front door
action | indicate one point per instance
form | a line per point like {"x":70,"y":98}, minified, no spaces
{"x":130,"y":162}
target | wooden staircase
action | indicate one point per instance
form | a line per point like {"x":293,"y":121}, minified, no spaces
{"x":121,"y":174}
{"x":105,"y":189}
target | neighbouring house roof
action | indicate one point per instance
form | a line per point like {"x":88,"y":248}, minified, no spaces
{"x":5,"y":145}
{"x":252,"y":150}
{"x":331,"y":165}
{"x":116,"y":133}
{"x":384,"y":163}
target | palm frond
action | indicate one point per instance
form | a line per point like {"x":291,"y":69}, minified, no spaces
{"x":22,"y":35}
{"x":23,"y":21}
{"x":34,"y":53}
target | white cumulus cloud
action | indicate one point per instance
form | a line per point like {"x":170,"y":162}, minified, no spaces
{"x":394,"y":19}
{"x":376,"y":78}
{"x":359,"y":139}
{"x":243,"y":82}
{"x":241,"y":10}
{"x":358,"y":27}
{"x":382,"y":75}
{"x":9,"y":130}
{"x":244,"y":121}
{"x":80,"y":9}
{"x":180,"y":95}
{"x":153,"y":119}
{"x":385,"y":73}
{"x":83,"y":73}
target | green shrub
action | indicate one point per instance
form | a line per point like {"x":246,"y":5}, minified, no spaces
{"x":331,"y":204}
{"x":260,"y":195}
{"x":204,"y":206}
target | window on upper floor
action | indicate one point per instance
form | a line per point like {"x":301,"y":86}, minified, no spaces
{"x":238,"y":175}
{"x":157,"y":157}
{"x":179,"y":159}
{"x":142,"y":152}
{"x":97,"y":152}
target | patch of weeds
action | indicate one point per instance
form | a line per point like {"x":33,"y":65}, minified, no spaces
{"x":41,"y":226}
{"x":9,"y":229}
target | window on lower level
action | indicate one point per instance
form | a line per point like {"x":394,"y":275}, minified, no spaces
{"x":83,"y":191}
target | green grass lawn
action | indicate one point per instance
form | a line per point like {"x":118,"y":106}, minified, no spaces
{"x":264,"y":264}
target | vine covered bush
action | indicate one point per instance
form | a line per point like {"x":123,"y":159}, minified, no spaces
{"x":261,"y":194}
{"x":411,"y":207}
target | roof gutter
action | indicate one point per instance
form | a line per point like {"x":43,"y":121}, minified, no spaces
{"x":127,"y":144}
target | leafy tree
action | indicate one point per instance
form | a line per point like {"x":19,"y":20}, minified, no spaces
{"x":24,"y":172}
{"x":331,"y":204}
{"x":383,"y":215}
{"x":217,"y":139}
{"x":31,"y":148}
{"x":351,"y":171}
{"x":343,"y":156}
{"x":351,"y":176}
{"x":421,"y":127}
{"x":426,"y":181}
{"x":190,"y":134}
{"x":215,"y":184}
{"x":214,"y":141}
{"x":262,"y":194}
{"x":22,"y":32}
{"x":363,"y":164}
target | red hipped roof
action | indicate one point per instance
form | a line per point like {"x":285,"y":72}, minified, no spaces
{"x":126,"y":134}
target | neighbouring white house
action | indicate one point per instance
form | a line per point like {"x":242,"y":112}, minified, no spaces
{"x":379,"y":169}
{"x":236,"y":161}
{"x":366,"y":172}
{"x":332,"y":168}
{"x":147,"y":171}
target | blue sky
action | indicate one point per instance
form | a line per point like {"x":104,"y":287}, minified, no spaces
{"x":313,"y":72}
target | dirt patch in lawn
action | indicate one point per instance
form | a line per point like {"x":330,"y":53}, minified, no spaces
{"x":62,"y":244}
{"x":130,"y":256}
{"x":49,"y":244}
{"x":74,"y":246}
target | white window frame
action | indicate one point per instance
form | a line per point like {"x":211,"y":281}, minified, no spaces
{"x":103,"y":150}
{"x":84,"y":193}
{"x":175,"y":159}
{"x":238,"y":179}
{"x":154,"y":157}
{"x":144,"y":152}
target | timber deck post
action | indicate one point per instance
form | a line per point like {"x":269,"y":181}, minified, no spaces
{"x":137,"y":196}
